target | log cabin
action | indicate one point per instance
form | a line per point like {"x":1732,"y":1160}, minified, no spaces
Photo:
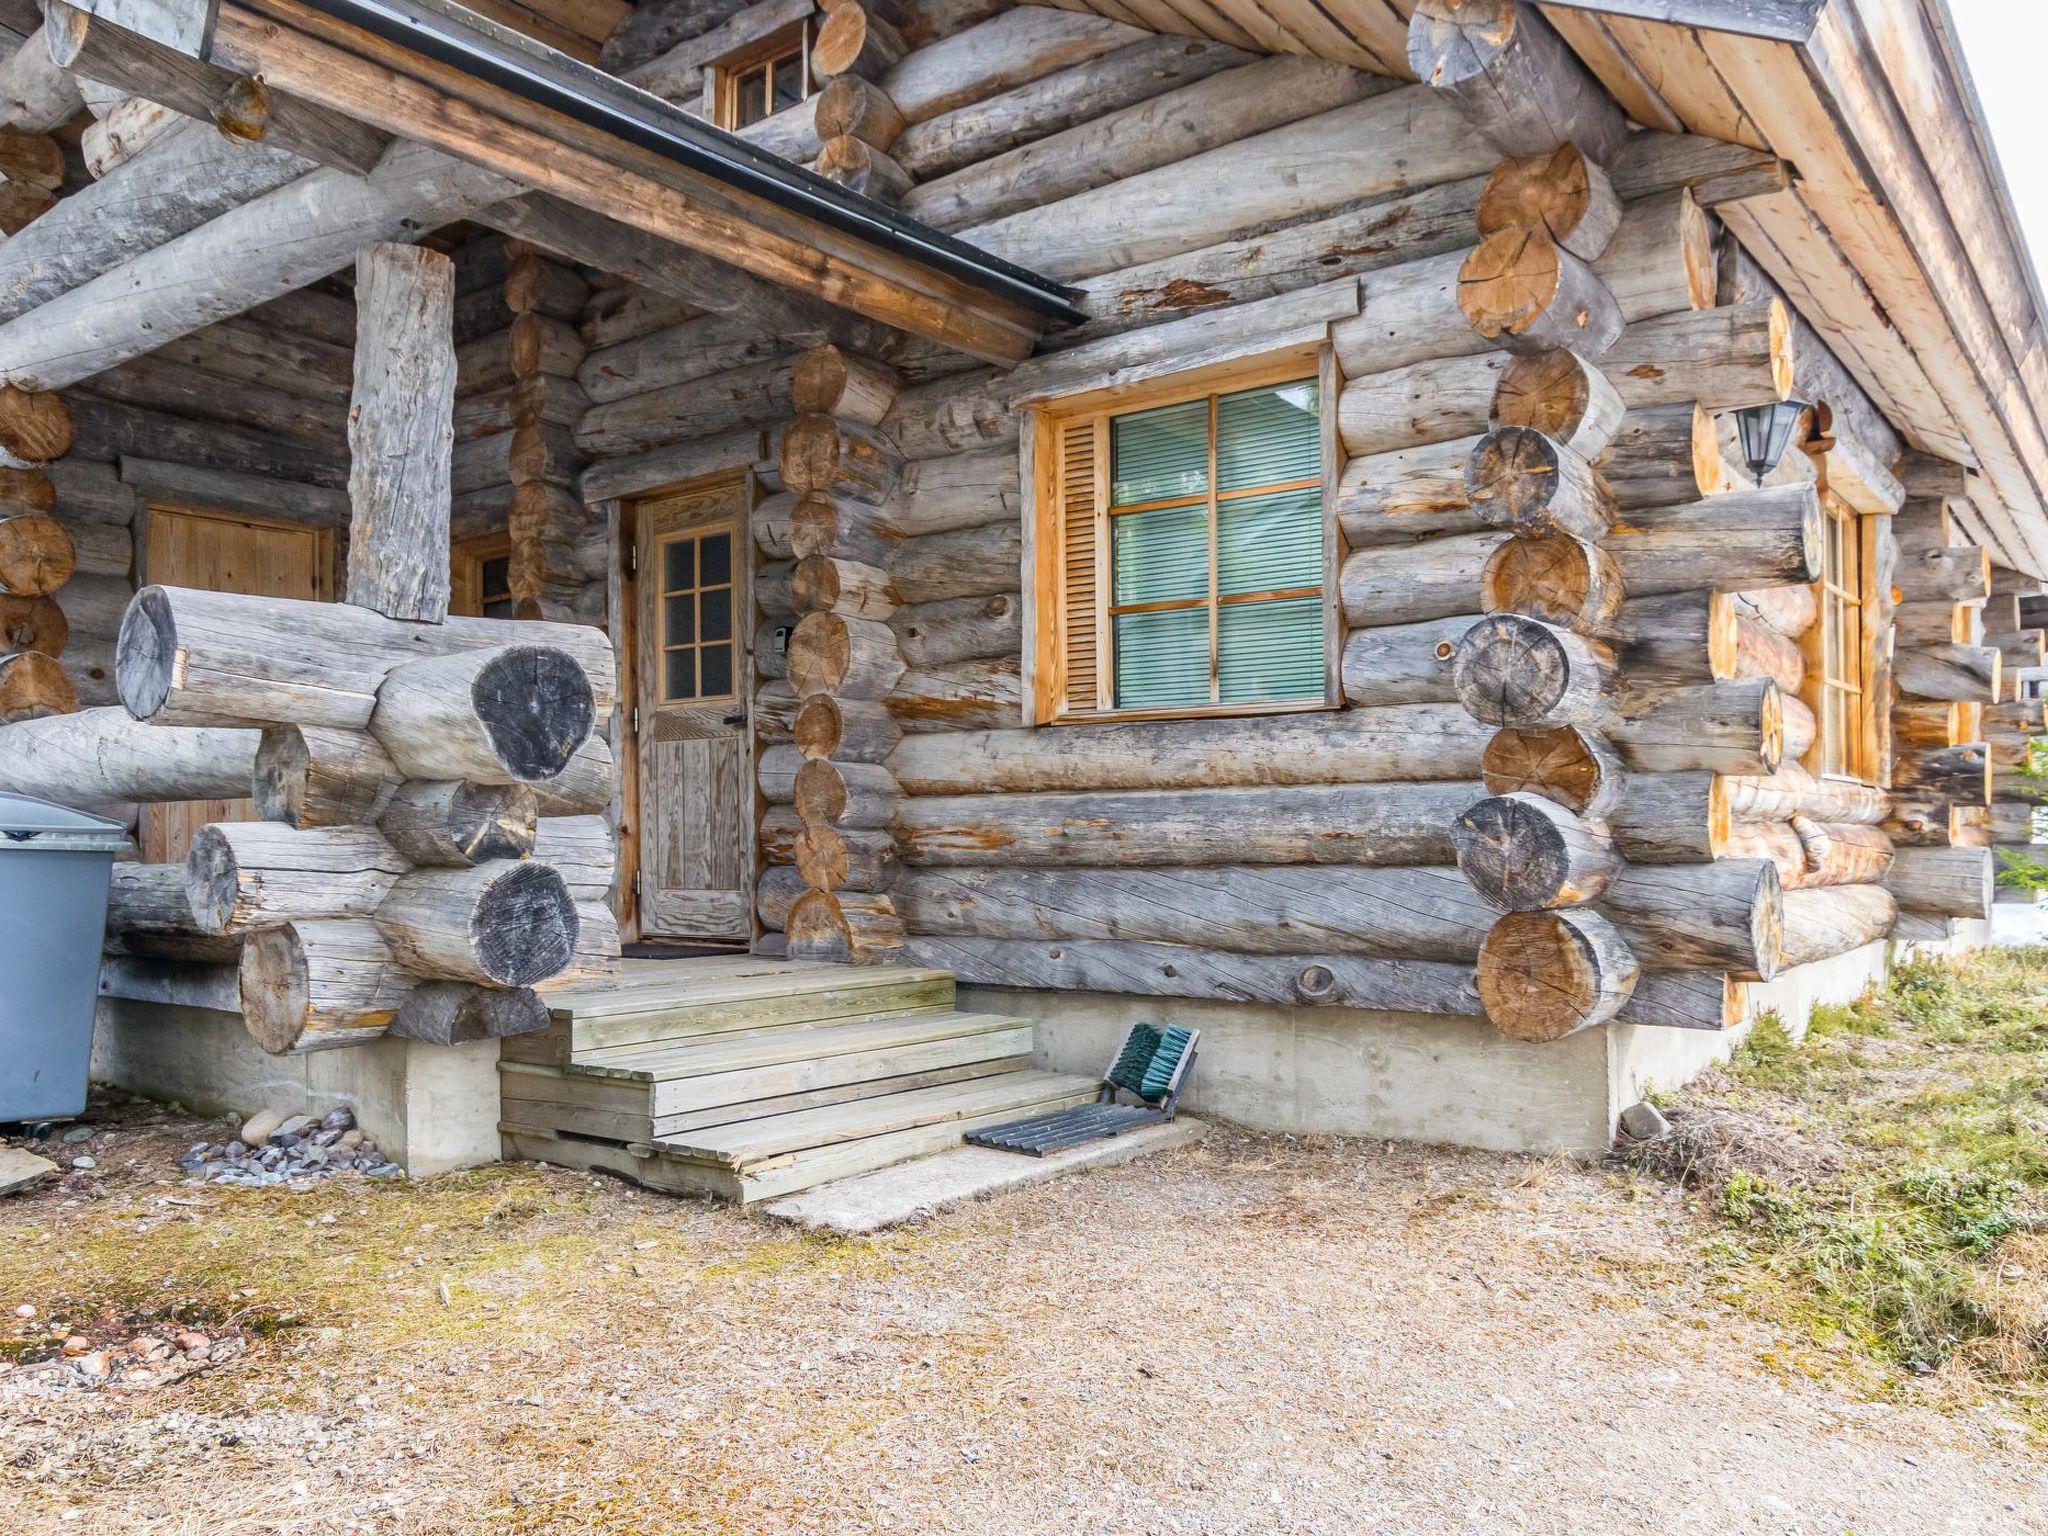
{"x":728,"y":591}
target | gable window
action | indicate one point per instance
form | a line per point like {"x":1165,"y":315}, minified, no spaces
{"x":1183,"y":554}
{"x":1841,"y":744}
{"x":764,"y":80}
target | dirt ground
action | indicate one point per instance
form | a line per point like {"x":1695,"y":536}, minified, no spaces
{"x":1253,"y":1335}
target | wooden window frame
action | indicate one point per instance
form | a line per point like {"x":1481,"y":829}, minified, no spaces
{"x":735,"y":530}
{"x":1839,"y":649}
{"x":467,"y":558}
{"x":1046,"y":652}
{"x":724,"y":78}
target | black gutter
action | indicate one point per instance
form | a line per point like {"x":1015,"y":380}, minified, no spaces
{"x":549,"y":78}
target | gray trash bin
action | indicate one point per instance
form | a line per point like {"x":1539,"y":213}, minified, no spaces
{"x":55,"y":867}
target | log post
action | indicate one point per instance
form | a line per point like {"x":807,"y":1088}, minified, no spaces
{"x":402,"y":432}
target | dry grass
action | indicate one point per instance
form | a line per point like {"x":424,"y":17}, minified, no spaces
{"x":1254,"y":1335}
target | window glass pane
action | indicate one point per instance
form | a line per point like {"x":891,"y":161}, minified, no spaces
{"x":496,"y":573}
{"x":1267,"y":436}
{"x":1270,"y":652}
{"x":680,"y":680}
{"x":501,"y":609}
{"x":788,"y":72}
{"x":715,"y":615}
{"x":1162,"y":659}
{"x":1158,"y":455}
{"x":679,"y":619}
{"x":679,"y":566}
{"x":1159,"y":556}
{"x":715,"y":663}
{"x":1268,"y":543}
{"x":716,"y":559}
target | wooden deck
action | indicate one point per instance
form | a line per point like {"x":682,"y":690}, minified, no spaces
{"x":747,"y":1078}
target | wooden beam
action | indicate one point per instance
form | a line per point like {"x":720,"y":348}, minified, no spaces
{"x":299,"y":50}
{"x":1785,"y":21}
{"x":261,"y":250}
{"x":401,"y":432}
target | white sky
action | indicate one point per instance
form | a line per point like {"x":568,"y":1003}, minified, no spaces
{"x":2004,"y":42}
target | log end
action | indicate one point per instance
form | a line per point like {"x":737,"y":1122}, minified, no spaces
{"x":1526,"y":853}
{"x":146,"y":653}
{"x":1565,"y":763}
{"x":1510,"y":670}
{"x":276,"y":989}
{"x":537,"y":708}
{"x":524,"y":927}
{"x":1545,"y":975}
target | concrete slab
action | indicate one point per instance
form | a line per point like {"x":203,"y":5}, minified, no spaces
{"x":911,"y":1191}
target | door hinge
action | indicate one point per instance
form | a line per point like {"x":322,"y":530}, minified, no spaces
{"x":639,"y":884}
{"x":636,"y":720}
{"x":632,"y":559}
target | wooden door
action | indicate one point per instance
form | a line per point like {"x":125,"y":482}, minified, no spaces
{"x":225,"y":552}
{"x":693,"y":749}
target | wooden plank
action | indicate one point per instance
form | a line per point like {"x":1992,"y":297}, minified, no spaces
{"x":1677,"y":66}
{"x":1788,"y":21}
{"x":1614,"y":68}
{"x":815,"y":1098}
{"x":738,"y":1090}
{"x":734,"y":1052}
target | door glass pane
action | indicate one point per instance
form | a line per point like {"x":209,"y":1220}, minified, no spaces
{"x":716,"y":560}
{"x":1270,"y":652}
{"x":679,"y":619}
{"x":1268,"y":437}
{"x":1162,"y":659}
{"x":1270,"y":543}
{"x":680,"y":679}
{"x":716,"y":615}
{"x":715,"y":665}
{"x":1159,"y":556}
{"x":501,"y":609}
{"x":1160,"y":454}
{"x":679,"y":564}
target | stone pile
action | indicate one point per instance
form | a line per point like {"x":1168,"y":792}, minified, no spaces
{"x":274,"y":1148}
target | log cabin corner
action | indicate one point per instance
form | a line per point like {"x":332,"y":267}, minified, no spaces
{"x":728,"y":591}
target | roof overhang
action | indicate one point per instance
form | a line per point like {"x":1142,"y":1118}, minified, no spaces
{"x":1784,"y":21}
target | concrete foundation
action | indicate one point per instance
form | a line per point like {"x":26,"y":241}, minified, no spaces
{"x":1349,"y":1072}
{"x":431,"y":1108}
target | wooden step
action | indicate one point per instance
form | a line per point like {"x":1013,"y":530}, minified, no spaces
{"x":555,"y":1099}
{"x":584,"y":1025}
{"x":745,"y":1144}
{"x":740,"y":1051}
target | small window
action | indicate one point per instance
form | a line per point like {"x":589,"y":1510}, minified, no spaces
{"x":765,"y":80}
{"x":1841,"y":706}
{"x":481,"y":572}
{"x":696,"y":615}
{"x":1184,"y":566}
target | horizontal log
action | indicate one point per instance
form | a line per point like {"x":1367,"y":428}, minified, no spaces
{"x":319,"y":776}
{"x":1792,"y":791}
{"x":843,"y":927}
{"x":1822,"y":924}
{"x":959,"y":629}
{"x":1966,"y":674}
{"x":1577,"y":767}
{"x":457,"y":1013}
{"x":1350,"y":824}
{"x":583,"y":850}
{"x":1673,"y":818}
{"x":967,"y":562}
{"x":1414,"y":583}
{"x":189,"y":657}
{"x":245,"y":875}
{"x":1357,"y":746}
{"x":453,"y":823}
{"x":318,"y":984}
{"x":507,"y":924}
{"x":1664,"y":456}
{"x":1545,"y":975}
{"x":101,"y":756}
{"x":511,"y":714}
{"x":1523,"y":291}
{"x":1554,"y":577}
{"x":1724,"y":359}
{"x":1730,"y":542}
{"x":1407,"y":494}
{"x":1943,"y":882}
{"x":1527,"y":853}
{"x":584,"y":787}
{"x":1397,"y":664}
{"x":1723,"y":916}
{"x":1414,"y":913}
{"x":1132,"y":968}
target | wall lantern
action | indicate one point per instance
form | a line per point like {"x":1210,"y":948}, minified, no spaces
{"x":1766,"y":432}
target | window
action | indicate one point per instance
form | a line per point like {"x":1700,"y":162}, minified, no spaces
{"x":696,"y":614}
{"x":1842,"y":742}
{"x":481,"y":571}
{"x":1184,"y":555}
{"x":764,"y":80}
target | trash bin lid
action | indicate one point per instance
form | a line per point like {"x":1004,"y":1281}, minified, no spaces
{"x":39,"y":826}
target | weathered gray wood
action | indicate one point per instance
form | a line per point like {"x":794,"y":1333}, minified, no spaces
{"x":1208,"y":114}
{"x":1129,"y":968}
{"x":245,"y":875}
{"x":1513,"y":78}
{"x":109,"y":430}
{"x":260,"y":250}
{"x":584,"y":850}
{"x":585,"y":786}
{"x":967,"y":695}
{"x":959,"y":629}
{"x":1414,"y":583}
{"x":1726,"y":358}
{"x":189,"y":657}
{"x":509,"y":714}
{"x":507,"y":924}
{"x":401,"y":432}
{"x":1312,"y":824}
{"x":101,"y":756}
{"x":1723,"y":916}
{"x":1943,"y":882}
{"x":232,"y":491}
{"x":456,"y":1013}
{"x":451,"y":824}
{"x":319,"y":983}
{"x":318,"y":776}
{"x":36,"y":95}
{"x":1822,"y":924}
{"x":1403,"y":664}
{"x":1732,"y":542}
{"x":1962,"y":674}
{"x":1009,"y":49}
{"x":1527,"y":853}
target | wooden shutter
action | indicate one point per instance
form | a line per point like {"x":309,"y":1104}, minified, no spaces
{"x":1073,"y":642}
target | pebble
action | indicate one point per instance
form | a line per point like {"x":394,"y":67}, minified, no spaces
{"x":77,"y":1134}
{"x":283,"y":1149}
{"x":85,"y":1162}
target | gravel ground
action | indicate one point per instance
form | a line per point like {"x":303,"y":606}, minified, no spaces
{"x":1252,"y":1335}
